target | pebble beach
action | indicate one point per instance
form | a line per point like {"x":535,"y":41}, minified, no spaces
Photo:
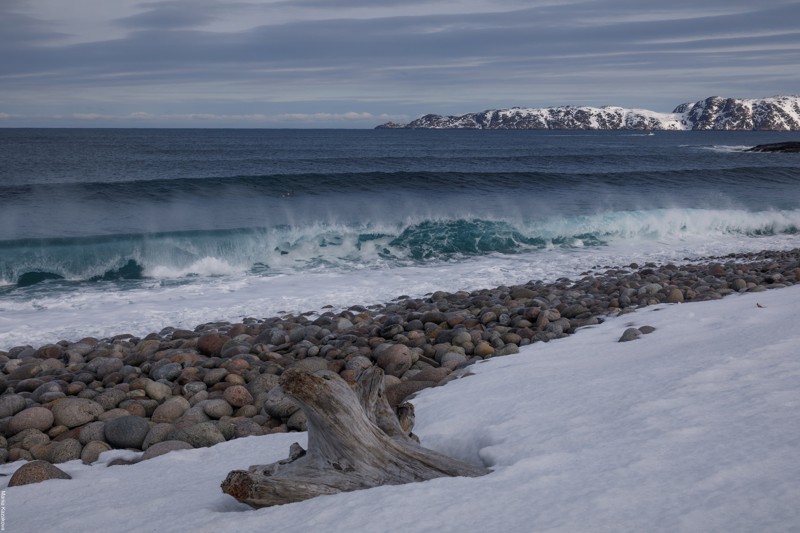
{"x":180,"y":388}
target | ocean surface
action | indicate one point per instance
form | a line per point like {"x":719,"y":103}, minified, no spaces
{"x":109,"y":231}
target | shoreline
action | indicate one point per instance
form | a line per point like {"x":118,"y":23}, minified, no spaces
{"x":215,"y":383}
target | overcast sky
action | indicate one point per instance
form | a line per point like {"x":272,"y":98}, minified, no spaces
{"x":358,"y":63}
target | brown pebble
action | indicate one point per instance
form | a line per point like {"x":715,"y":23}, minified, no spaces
{"x":237,"y":396}
{"x":36,"y":472}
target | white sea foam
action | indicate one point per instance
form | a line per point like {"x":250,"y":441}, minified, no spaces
{"x":150,"y":305}
{"x":207,"y":266}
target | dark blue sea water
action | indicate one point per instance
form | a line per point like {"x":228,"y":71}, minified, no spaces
{"x":133,"y":214}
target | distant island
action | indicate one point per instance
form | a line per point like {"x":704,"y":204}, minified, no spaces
{"x":779,"y":113}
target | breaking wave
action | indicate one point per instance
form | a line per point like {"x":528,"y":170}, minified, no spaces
{"x":282,"y":249}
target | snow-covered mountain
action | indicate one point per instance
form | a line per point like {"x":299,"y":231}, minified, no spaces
{"x":779,"y":113}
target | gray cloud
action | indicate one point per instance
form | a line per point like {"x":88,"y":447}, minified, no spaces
{"x":299,"y":58}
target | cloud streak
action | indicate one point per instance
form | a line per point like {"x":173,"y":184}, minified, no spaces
{"x":303,"y":58}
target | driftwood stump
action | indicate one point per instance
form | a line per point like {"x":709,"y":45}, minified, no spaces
{"x":355,"y":441}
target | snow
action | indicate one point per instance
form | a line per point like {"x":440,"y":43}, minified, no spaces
{"x":787,"y":112}
{"x":693,"y":427}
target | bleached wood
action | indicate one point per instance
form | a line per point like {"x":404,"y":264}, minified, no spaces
{"x":355,"y":441}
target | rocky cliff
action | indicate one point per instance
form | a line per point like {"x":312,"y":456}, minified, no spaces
{"x":779,"y":113}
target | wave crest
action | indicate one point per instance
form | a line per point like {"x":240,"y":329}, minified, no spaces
{"x":319,"y":246}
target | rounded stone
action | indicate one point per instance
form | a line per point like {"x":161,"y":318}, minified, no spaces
{"x":163,"y":447}
{"x":630,"y":334}
{"x":488,"y":317}
{"x":262,"y":383}
{"x":461,"y":338}
{"x":126,"y":431}
{"x":65,"y":450}
{"x":199,"y":435}
{"x":74,"y":412}
{"x":49,"y":351}
{"x":48,"y":397}
{"x":167,"y":372}
{"x":157,"y":391}
{"x":193,"y":415}
{"x":21,"y":436}
{"x":114,"y":413}
{"x":11,"y":404}
{"x":246,"y":427}
{"x":483,"y":349}
{"x":675,"y":296}
{"x":198,"y":397}
{"x":211,"y":343}
{"x":18,"y":454}
{"x":246,"y":411}
{"x":238,"y":395}
{"x":109,"y":399}
{"x":47,"y":389}
{"x":298,"y":421}
{"x":359,"y":362}
{"x":278,"y":405}
{"x":103,"y":366}
{"x":157,"y":433}
{"x":36,"y":472}
{"x":193,"y":387}
{"x":312,"y":364}
{"x":573,"y":310}
{"x":41,"y":451}
{"x":225,"y":427}
{"x":453,"y":359}
{"x":395,"y":360}
{"x":171,"y":410}
{"x":217,"y":408}
{"x":92,"y":450}
{"x":214,"y":376}
{"x":35,"y":439}
{"x":39,"y":418}
{"x":431,"y":374}
{"x":92,"y":431}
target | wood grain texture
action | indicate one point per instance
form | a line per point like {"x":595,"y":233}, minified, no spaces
{"x":355,"y":441}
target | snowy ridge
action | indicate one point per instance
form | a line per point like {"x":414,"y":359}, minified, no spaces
{"x":716,"y":113}
{"x":779,"y":113}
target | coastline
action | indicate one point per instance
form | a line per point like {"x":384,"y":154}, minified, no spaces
{"x":691,"y":428}
{"x":219,"y":377}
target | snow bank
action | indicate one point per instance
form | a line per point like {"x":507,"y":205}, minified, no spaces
{"x":693,"y":427}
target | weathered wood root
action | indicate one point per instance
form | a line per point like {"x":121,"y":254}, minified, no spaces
{"x":355,"y":441}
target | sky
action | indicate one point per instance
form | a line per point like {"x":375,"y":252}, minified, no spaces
{"x":359,"y":63}
{"x":692,"y":428}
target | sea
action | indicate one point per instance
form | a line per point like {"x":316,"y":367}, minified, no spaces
{"x":128,"y":231}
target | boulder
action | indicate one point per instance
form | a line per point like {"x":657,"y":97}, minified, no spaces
{"x":630,"y":334}
{"x":126,"y":432}
{"x":163,"y":447}
{"x":36,"y":472}
{"x":11,"y":404}
{"x":39,"y":418}
{"x":217,"y":408}
{"x":74,"y":412}
{"x":395,"y":360}
{"x":92,"y":450}
{"x":65,"y":450}
{"x":199,"y":435}
{"x":171,"y":410}
{"x":238,"y":395}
